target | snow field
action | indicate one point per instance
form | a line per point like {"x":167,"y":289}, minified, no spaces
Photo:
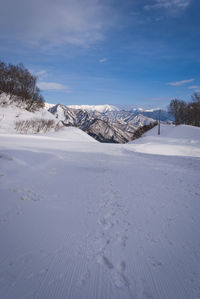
{"x":80,"y":219}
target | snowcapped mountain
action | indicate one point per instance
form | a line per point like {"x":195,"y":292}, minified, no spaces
{"x":98,"y":108}
{"x":145,"y":110}
{"x":154,"y":113}
{"x":48,"y":105}
{"x":97,"y":125}
{"x":141,"y":120}
{"x":72,"y":117}
{"x":110,"y":125}
{"x":128,"y":115}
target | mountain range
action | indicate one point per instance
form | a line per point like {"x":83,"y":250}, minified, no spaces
{"x":108,"y":123}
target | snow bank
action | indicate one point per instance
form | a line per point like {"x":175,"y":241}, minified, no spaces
{"x":72,"y":134}
{"x":180,"y":140}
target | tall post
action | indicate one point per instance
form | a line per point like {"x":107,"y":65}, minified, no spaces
{"x":159,"y":122}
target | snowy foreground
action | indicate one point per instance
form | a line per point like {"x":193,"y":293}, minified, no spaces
{"x":80,"y":219}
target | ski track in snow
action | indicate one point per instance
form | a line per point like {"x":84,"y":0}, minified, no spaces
{"x":104,"y":222}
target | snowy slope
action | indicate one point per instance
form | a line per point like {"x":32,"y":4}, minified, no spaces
{"x":140,"y":120}
{"x":81,"y":219}
{"x":174,"y":140}
{"x":71,"y":134}
{"x":11,"y":113}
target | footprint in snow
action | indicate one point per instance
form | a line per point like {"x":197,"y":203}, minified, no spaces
{"x":101,"y":259}
{"x":6,"y":157}
{"x":106,"y":224}
{"x":122,"y":240}
{"x":120,"y":280}
{"x":118,"y":276}
{"x":27,"y":194}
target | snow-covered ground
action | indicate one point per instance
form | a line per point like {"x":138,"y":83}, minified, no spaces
{"x":174,"y":141}
{"x":10,"y":114}
{"x":81,"y":219}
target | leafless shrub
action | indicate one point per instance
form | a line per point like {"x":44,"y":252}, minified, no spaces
{"x":141,"y":130}
{"x":37,"y":126}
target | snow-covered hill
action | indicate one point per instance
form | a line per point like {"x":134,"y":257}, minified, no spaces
{"x":83,"y":219}
{"x":179,"y":140}
{"x":14,"y":118}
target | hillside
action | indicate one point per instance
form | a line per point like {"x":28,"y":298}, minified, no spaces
{"x":83,"y":219}
{"x":179,"y":140}
{"x":15,"y":118}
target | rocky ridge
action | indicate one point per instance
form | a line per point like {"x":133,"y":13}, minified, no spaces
{"x":101,"y":125}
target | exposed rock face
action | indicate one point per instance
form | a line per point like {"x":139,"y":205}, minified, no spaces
{"x":101,"y":125}
{"x":105,"y":132}
{"x":129,"y":115}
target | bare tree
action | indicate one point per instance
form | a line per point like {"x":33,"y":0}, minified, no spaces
{"x":17,"y":81}
{"x":186,"y":113}
{"x":178,"y":109}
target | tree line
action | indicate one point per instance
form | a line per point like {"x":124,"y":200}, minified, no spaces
{"x":20,"y":85}
{"x":186,"y":112}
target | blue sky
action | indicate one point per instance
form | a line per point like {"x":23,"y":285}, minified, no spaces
{"x":120,"y":52}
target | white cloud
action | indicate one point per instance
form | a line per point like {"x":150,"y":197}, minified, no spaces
{"x":180,"y":83}
{"x":103,"y":60}
{"x":50,"y":22}
{"x":194,"y":87}
{"x":54,"y":86}
{"x":168,"y":4}
{"x":41,"y":74}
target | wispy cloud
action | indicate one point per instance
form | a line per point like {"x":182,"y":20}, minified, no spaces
{"x":103,"y":60}
{"x":168,"y":4}
{"x":41,"y":74}
{"x":194,"y":87}
{"x":180,"y":83}
{"x":40,"y":22}
{"x":54,"y":86}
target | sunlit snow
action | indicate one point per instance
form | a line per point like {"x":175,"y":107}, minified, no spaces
{"x":81,"y":219}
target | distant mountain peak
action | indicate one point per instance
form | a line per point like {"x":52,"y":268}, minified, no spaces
{"x":48,"y":105}
{"x":98,"y":108}
{"x":145,"y":110}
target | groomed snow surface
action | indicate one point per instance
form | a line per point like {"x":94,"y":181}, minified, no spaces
{"x":81,"y":219}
